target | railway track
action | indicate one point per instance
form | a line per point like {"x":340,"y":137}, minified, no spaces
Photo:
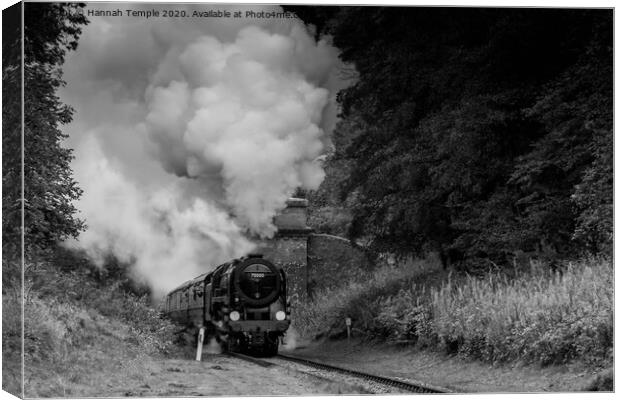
{"x":411,"y":387}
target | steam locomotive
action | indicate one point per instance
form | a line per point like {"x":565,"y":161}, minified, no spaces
{"x":242,"y":303}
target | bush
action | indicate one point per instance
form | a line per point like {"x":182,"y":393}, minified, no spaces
{"x":147,"y":326}
{"x":362,"y":300}
{"x":406,"y":317}
{"x":538,"y":315}
{"x":73,"y":281}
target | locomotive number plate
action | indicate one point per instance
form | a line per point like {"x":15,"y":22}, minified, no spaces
{"x":257,"y":275}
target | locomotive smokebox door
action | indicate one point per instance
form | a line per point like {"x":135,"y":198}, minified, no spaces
{"x":257,"y":282}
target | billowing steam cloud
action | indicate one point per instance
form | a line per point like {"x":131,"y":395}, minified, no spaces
{"x":191,"y":135}
{"x":168,"y":238}
{"x":242,"y":115}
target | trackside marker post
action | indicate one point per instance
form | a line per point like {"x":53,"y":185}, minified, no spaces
{"x":347,"y":321}
{"x":201,"y":337}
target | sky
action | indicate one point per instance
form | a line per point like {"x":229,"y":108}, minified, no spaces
{"x":190,"y":133}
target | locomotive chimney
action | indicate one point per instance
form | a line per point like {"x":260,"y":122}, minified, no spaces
{"x":294,"y":217}
{"x":289,"y":247}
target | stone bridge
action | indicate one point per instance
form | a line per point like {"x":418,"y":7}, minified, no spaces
{"x":312,"y":261}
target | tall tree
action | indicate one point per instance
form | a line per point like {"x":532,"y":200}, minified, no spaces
{"x":11,"y":132}
{"x":479,"y":125}
{"x":50,"y":30}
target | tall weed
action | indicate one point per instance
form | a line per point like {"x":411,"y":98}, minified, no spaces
{"x":11,"y":342}
{"x":362,"y":300}
{"x":535,"y":315}
{"x":540,"y":315}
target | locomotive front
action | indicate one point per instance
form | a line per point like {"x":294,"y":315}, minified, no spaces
{"x":258,"y":311}
{"x":242,"y":302}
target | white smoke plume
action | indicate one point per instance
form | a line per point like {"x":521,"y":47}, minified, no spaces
{"x":242,"y":115}
{"x":213,"y":347}
{"x":190,"y":134}
{"x":167,"y":238}
{"x":291,"y":339}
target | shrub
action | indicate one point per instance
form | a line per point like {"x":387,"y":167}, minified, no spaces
{"x":537,"y":315}
{"x":540,"y":316}
{"x":406,"y":317}
{"x":363,"y":300}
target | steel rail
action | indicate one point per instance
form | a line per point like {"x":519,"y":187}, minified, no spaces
{"x":251,"y":359}
{"x":409,"y":386}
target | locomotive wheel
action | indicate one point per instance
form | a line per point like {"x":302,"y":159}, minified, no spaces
{"x":270,"y":349}
{"x":237,"y":344}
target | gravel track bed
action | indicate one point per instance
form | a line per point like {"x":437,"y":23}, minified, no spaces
{"x":368,"y":386}
{"x":358,"y":384}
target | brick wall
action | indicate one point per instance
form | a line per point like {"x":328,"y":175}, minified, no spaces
{"x":291,"y":253}
{"x":311,"y":261}
{"x":289,"y":247}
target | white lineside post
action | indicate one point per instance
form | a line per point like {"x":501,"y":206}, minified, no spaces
{"x":347,"y":321}
{"x":201,"y":338}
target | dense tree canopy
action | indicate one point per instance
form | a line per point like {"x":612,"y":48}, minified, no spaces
{"x":479,"y":132}
{"x":50,"y":30}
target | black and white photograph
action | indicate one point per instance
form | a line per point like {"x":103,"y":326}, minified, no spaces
{"x":240,"y":200}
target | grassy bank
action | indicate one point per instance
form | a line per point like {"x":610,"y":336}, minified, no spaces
{"x":70,"y":349}
{"x":539,"y":316}
{"x":82,"y":327}
{"x":363,"y":300}
{"x":534,"y":316}
{"x":11,"y":343}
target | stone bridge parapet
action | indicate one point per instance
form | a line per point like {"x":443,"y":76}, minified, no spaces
{"x":311,"y":261}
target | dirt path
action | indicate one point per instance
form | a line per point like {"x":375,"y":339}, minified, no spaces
{"x":215,"y":375}
{"x":119,"y":371}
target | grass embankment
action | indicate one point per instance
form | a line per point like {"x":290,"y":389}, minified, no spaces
{"x":535,"y":316}
{"x":81,"y":331}
{"x":11,"y":341}
{"x":538,"y":316}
